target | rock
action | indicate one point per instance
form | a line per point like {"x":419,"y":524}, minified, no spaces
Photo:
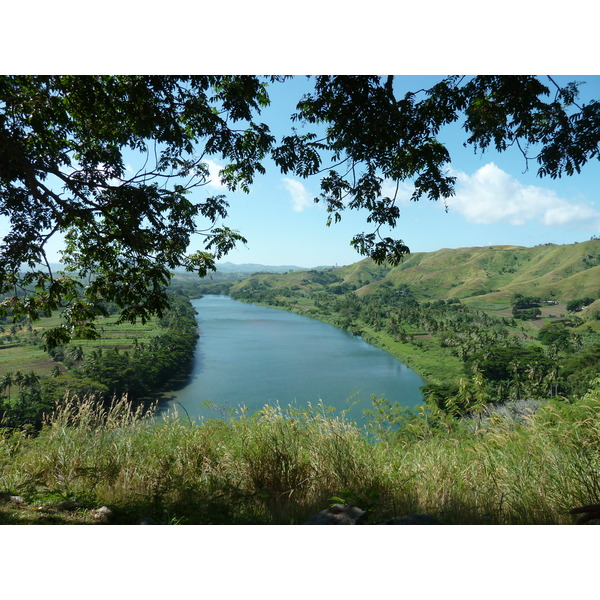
{"x":102,"y":514}
{"x":339,"y":514}
{"x":346,"y":514}
{"x":414,"y":519}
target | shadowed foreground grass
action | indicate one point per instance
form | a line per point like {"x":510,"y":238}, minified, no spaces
{"x":281,"y":466}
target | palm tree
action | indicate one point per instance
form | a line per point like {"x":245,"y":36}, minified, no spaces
{"x":552,"y":379}
{"x":19,"y":379}
{"x":6,"y":382}
{"x":31,"y":379}
{"x":76,"y":353}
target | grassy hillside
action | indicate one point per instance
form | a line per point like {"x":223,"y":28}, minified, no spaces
{"x":483,"y":275}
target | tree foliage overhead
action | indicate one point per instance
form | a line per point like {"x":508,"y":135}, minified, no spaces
{"x":63,"y":169}
{"x":375,"y":136}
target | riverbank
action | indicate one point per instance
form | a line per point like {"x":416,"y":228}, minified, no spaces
{"x":434,"y":364}
{"x":141,"y":361}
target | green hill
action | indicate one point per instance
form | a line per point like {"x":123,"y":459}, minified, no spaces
{"x":481,"y":276}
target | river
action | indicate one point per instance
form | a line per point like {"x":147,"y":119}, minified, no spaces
{"x":253,"y":355}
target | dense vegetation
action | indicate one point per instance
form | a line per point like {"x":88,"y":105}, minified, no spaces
{"x":146,"y":368}
{"x":107,"y":368}
{"x":281,"y":467}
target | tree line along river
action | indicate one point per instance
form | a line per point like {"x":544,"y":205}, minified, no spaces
{"x":250,"y":355}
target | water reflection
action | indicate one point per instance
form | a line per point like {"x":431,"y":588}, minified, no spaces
{"x":252,"y":355}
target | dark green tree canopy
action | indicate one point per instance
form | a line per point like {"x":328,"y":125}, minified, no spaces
{"x":62,"y":169}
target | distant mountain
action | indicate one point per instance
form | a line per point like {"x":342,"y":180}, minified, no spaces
{"x":228,"y":267}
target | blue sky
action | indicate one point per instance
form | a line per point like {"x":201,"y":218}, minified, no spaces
{"x":496,"y":202}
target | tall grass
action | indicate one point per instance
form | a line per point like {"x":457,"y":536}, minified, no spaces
{"x":282,"y":465}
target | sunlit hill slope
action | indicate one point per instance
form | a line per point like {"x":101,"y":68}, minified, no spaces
{"x":489,"y":275}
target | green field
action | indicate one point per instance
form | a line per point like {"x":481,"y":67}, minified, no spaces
{"x":22,"y":350}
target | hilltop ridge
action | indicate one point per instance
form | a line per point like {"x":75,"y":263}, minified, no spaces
{"x":488,"y":275}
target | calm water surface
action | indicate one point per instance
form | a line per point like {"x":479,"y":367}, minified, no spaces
{"x":252,"y":355}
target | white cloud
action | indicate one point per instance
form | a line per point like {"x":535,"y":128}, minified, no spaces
{"x":213,"y":171}
{"x":404,"y":192}
{"x":301,"y":199}
{"x":490,"y":195}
